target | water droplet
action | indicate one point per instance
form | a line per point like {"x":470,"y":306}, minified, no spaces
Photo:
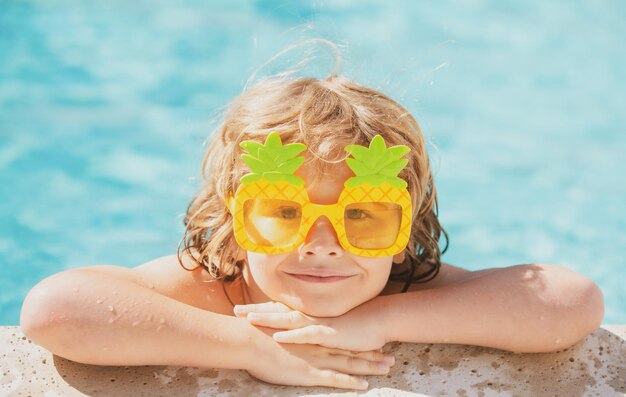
{"x":151,"y":286}
{"x":76,"y":289}
{"x":112,"y":309}
{"x":135,"y":323}
{"x":111,"y":320}
{"x":150,"y":317}
{"x":557,"y":341}
{"x":99,"y":301}
{"x":162,"y":320}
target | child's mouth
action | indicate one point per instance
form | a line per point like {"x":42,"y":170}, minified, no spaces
{"x":315,"y":279}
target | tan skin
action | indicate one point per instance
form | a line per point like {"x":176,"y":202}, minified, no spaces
{"x":197,"y":288}
{"x":190,"y":287}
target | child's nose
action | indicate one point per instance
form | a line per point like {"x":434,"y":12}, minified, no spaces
{"x":321,"y":240}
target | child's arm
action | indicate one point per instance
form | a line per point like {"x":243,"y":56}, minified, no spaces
{"x":160,"y":314}
{"x":101,"y":319}
{"x":525,"y":308}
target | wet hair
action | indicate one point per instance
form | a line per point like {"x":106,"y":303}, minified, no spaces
{"x":326,"y":115}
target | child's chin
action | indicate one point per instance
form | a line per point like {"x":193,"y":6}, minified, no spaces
{"x":325,"y":311}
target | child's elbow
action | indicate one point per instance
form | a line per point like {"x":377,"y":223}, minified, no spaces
{"x":579,"y":314}
{"x":592,"y":310}
{"x":37,"y":315}
{"x":34,"y":313}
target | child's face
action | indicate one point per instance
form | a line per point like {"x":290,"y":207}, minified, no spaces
{"x":268,"y":276}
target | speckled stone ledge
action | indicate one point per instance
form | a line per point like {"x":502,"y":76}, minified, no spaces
{"x":594,"y":367}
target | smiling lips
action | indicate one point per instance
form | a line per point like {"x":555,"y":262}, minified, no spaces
{"x":319,"y":279}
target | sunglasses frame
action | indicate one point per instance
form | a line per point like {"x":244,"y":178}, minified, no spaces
{"x":311,"y":212}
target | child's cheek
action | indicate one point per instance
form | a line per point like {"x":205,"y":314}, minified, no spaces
{"x":378,"y":271}
{"x":265,"y":271}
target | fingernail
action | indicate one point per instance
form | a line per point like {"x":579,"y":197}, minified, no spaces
{"x":254,"y":316}
{"x":383,"y":366}
{"x":390,"y":359}
{"x":239,"y":309}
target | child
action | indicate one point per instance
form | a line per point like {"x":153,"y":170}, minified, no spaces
{"x":310,"y":260}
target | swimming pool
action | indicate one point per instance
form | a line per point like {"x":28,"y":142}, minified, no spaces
{"x":105,"y":105}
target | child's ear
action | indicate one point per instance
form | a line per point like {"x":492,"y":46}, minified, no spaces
{"x":399,"y":258}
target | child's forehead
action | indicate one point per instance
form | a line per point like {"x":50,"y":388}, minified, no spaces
{"x":324,"y":187}
{"x":314,"y":172}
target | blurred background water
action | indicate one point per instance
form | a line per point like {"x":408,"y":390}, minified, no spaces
{"x":105,"y":105}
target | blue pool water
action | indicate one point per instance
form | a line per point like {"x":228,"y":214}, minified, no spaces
{"x":104,"y":106}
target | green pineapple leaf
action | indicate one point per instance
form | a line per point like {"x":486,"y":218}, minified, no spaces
{"x":392,"y":154}
{"x":294,"y":180}
{"x":290,"y":151}
{"x":256,"y":166}
{"x":291,"y":166}
{"x":358,"y":151}
{"x":356,"y":181}
{"x":250,"y":178}
{"x":377,"y":147}
{"x":273,"y":176}
{"x":377,"y":164}
{"x":251,"y":147}
{"x":266,"y":157}
{"x":397,"y":182}
{"x":385,"y":159}
{"x":399,"y":150}
{"x":376,"y":180}
{"x":272,"y":161}
{"x":358,"y":167}
{"x":393,"y":169}
{"x":273,"y":143}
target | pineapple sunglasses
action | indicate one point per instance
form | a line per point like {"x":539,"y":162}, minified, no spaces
{"x":272,"y":213}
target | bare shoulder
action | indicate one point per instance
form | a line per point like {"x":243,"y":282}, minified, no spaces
{"x":448,"y":275}
{"x":166,"y":276}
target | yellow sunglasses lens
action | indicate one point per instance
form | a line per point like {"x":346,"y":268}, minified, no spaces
{"x":276,"y":223}
{"x":272,"y":222}
{"x":372,"y":225}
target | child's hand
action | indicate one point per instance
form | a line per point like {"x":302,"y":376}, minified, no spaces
{"x":356,"y":330}
{"x":312,"y":365}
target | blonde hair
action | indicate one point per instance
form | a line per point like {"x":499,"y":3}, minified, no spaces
{"x":325,"y":115}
